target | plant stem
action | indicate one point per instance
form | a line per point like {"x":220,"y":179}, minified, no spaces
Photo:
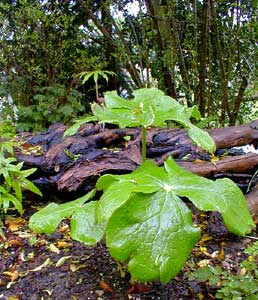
{"x":97,"y":90}
{"x":144,"y":133}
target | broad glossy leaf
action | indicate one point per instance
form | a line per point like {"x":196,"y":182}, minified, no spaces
{"x":154,"y":232}
{"x":84,"y":227}
{"x":125,"y":113}
{"x":47,"y":219}
{"x":221,"y":195}
{"x":150,"y":107}
{"x":193,"y":112}
{"x":105,"y":180}
{"x":148,"y":178}
{"x":152,"y":229}
{"x":114,"y":197}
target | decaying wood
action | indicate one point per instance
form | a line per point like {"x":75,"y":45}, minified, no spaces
{"x":73,"y":164}
{"x":236,"y":164}
{"x":252,"y":202}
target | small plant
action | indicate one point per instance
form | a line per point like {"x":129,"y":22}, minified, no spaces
{"x":12,"y":178}
{"x":141,"y":215}
{"x":232,"y":287}
{"x":150,"y":107}
{"x":96,"y":74}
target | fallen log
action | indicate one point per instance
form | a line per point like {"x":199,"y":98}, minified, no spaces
{"x":252,"y":202}
{"x":72,"y":165}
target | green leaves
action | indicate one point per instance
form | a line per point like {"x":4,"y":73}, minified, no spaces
{"x":150,"y":107}
{"x":149,"y":226}
{"x":221,"y":195}
{"x":154,"y":232}
{"x":144,"y":220}
{"x":74,"y":128}
{"x":96,"y":74}
{"x":14,"y":181}
{"x":83,"y":225}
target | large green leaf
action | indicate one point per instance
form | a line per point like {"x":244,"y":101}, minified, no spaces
{"x":222,"y":195}
{"x":84,"y":227}
{"x":125,"y":113}
{"x":47,"y":219}
{"x":149,"y":226}
{"x":201,"y":138}
{"x":154,"y":232}
{"x":118,"y":189}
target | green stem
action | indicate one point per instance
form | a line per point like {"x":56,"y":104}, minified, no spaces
{"x":144,"y":134}
{"x":97,"y":90}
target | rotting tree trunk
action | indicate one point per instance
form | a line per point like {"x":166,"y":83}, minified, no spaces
{"x":72,"y":165}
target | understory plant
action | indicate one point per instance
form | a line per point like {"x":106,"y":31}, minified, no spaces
{"x":96,"y":74}
{"x":13,"y":180}
{"x":141,"y":215}
{"x":243,"y":285}
{"x":49,"y":105}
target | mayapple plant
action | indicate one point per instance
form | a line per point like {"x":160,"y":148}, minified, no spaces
{"x":149,"y":108}
{"x":141,"y":215}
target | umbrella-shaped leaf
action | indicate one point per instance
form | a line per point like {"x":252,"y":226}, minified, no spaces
{"x":114,"y":197}
{"x":154,"y":232}
{"x":125,"y":113}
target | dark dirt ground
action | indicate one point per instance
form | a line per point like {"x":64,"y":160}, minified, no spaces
{"x":53,"y":267}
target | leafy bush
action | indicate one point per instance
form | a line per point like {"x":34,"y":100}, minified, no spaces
{"x":51,"y":104}
{"x":141,"y":215}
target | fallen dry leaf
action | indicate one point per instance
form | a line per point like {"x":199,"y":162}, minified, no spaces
{"x":13,"y":297}
{"x":62,"y":244}
{"x":15,"y":243}
{"x":62,"y":260}
{"x":74,"y":267}
{"x":139,"y":288}
{"x":53,"y":248}
{"x":46,"y":263}
{"x":221,"y":255}
{"x":105,"y":286}
{"x":203,"y":263}
{"x":15,"y":224}
{"x":12,"y":275}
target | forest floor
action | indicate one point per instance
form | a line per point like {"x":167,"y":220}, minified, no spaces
{"x":53,"y":267}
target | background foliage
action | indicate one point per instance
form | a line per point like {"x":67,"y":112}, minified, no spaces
{"x":198,"y":52}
